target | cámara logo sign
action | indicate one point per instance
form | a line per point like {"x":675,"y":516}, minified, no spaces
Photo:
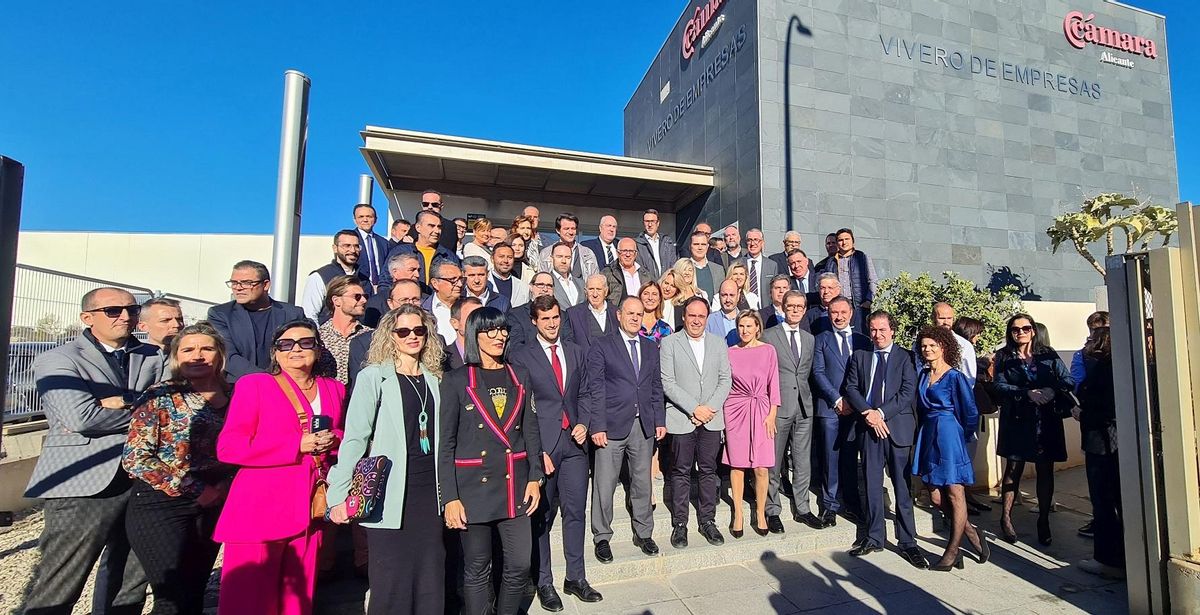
{"x":1080,"y":31}
{"x":696,"y":27}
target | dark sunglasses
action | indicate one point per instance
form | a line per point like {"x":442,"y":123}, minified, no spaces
{"x":114,"y":311}
{"x":427,"y":204}
{"x":1021,"y":329}
{"x":355,"y":296}
{"x":305,"y":343}
{"x":403,"y":332}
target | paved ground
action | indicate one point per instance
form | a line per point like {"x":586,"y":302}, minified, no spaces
{"x":1021,"y":578}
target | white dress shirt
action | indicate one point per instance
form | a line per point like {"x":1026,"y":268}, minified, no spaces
{"x":441,"y":313}
{"x":697,"y":346}
{"x":568,"y":286}
{"x":633,"y":281}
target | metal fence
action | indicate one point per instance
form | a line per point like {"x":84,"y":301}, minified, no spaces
{"x":46,"y":315}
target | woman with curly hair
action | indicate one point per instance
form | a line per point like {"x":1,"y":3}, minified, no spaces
{"x":949,"y":419}
{"x":394,"y":412}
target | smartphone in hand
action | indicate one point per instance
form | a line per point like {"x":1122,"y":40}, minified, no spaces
{"x":321,"y":423}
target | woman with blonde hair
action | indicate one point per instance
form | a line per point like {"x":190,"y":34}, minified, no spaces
{"x":685,"y":281}
{"x":672,"y":302}
{"x":750,"y":412}
{"x":479,"y":244}
{"x":741,"y":276}
{"x":394,"y":413}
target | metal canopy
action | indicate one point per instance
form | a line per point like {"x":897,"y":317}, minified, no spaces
{"x":404,"y":160}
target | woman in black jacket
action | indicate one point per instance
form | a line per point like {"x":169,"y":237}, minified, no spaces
{"x":1097,"y":417}
{"x":490,"y":464}
{"x":1034,"y":385}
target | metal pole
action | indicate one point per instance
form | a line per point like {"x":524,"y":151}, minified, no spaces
{"x":12,"y":181}
{"x":366,"y":189}
{"x":289,"y":191}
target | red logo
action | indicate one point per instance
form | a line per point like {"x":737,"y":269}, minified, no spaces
{"x":1080,"y":31}
{"x":696,"y":26}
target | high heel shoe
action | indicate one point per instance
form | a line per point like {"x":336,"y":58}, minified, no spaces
{"x":736,"y":533}
{"x":984,"y":551}
{"x":1043,"y":529}
{"x":939,"y":567}
{"x":761,"y":531}
{"x":1007,"y":534}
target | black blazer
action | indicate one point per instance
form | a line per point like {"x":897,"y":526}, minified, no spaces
{"x":584,"y":330}
{"x":899,"y":390}
{"x":615,"y":394}
{"x":521,"y":330}
{"x":597,"y":248}
{"x":382,"y":248}
{"x":484,"y":459}
{"x":359,"y":347}
{"x":243,"y":353}
{"x":550,"y":403}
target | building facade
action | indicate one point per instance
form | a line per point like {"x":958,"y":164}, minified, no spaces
{"x":947,"y":134}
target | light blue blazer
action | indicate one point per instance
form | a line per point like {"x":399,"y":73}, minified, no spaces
{"x":377,"y":387}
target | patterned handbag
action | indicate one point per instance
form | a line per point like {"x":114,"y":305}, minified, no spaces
{"x":366,"y":486}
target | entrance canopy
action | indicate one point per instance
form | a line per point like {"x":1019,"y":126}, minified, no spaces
{"x":408,"y":161}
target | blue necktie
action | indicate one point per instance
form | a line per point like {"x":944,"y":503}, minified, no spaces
{"x":877,"y":379}
{"x":633,"y":353}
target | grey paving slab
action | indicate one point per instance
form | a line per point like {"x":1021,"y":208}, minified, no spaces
{"x":750,"y":600}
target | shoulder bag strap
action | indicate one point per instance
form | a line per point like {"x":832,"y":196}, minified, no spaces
{"x":291,"y":395}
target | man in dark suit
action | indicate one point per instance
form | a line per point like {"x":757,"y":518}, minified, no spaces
{"x":801,"y":275}
{"x":429,"y":229}
{"x":734,"y":251}
{"x":712,"y":254}
{"x":401,"y":293}
{"x":476,"y":283}
{"x":594,"y":318}
{"x":520,"y":321}
{"x":772,"y":310}
{"x":656,"y":252}
{"x":760,"y":269}
{"x":625,"y":276}
{"x":399,"y":233}
{"x":625,"y":415}
{"x":794,"y":348}
{"x":459,"y":312}
{"x":791,"y":243}
{"x":604,"y":246}
{"x":816,"y":319}
{"x":248,"y":322}
{"x":373,"y":260}
{"x":568,"y":288}
{"x":88,"y":388}
{"x":401,"y":268}
{"x":556,"y":373}
{"x":880,"y":385}
{"x":709,"y":274}
{"x":835,"y":424}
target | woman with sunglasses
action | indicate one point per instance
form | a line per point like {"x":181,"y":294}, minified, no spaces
{"x":394,"y":413}
{"x":490,"y":464}
{"x":1031,"y":382}
{"x":283,"y":426}
{"x":179,"y":485}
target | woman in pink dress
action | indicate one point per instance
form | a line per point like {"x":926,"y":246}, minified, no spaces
{"x":750,"y":418}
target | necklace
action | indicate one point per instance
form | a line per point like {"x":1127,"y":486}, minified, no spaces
{"x":422,"y":418}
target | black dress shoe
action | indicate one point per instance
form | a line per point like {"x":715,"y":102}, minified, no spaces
{"x":914,"y":556}
{"x":866,"y":548}
{"x":810,"y":520}
{"x":774,"y":525}
{"x":1043,"y":530}
{"x":679,"y":536}
{"x":710,"y":533}
{"x":581,"y":590}
{"x":647,"y":545}
{"x":829,"y":519}
{"x":604,"y":552}
{"x":548,"y":597}
{"x":852,"y":517}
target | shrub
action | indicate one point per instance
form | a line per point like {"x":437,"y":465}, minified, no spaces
{"x":910,"y":300}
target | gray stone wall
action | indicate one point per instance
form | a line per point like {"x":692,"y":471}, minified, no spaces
{"x":938,"y":168}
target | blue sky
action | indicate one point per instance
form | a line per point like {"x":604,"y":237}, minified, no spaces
{"x":165,"y":116}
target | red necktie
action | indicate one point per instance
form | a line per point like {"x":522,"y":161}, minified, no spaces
{"x":556,"y":365}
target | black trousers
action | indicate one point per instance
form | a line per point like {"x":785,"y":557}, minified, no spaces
{"x":568,"y":485}
{"x":701,"y":449}
{"x":1104,"y":488}
{"x":516,"y":539}
{"x":172,"y":538}
{"x":76,"y":532}
{"x":407,"y":566}
{"x":879,"y":454}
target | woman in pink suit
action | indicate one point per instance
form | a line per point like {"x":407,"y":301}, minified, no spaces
{"x":750,"y":418}
{"x":271,"y":540}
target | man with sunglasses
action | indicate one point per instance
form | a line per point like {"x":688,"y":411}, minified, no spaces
{"x":88,"y":388}
{"x":247,"y":323}
{"x":346,"y":302}
{"x":347,"y":248}
{"x":447,"y":283}
{"x":426,"y":246}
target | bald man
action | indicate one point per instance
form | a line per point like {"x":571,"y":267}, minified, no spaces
{"x":604,"y":246}
{"x":791,"y":243}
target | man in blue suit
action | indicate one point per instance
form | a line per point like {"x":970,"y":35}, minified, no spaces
{"x":373,"y":261}
{"x":556,"y":374}
{"x":604,"y":245}
{"x":835,"y":426}
{"x":880,"y":384}
{"x":248,"y":322}
{"x":625,"y":415}
{"x":595,"y":317}
{"x":477,"y":284}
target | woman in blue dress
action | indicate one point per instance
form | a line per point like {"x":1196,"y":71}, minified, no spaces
{"x":949,"y":419}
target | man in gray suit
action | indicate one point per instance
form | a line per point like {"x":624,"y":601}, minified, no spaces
{"x":794,"y":421}
{"x":696,"y":379}
{"x":568,"y":289}
{"x":88,"y":388}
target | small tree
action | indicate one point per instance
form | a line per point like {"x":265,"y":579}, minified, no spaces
{"x":1097,"y":219}
{"x":910,"y":300}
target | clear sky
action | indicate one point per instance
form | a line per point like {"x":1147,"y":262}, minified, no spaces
{"x":165,"y":116}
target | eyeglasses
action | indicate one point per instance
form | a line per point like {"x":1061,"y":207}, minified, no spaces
{"x":235,"y":284}
{"x":753,"y":241}
{"x":451,"y":281}
{"x":429,"y":204}
{"x":305,"y":343}
{"x":496,"y":332}
{"x":627,"y":251}
{"x":114,"y":311}
{"x":404,"y":332}
{"x":1021,"y":329}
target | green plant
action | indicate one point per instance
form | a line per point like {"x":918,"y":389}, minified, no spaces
{"x":911,"y":299}
{"x":1097,"y":219}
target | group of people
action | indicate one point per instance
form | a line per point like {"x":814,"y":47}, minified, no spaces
{"x":445,"y":399}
